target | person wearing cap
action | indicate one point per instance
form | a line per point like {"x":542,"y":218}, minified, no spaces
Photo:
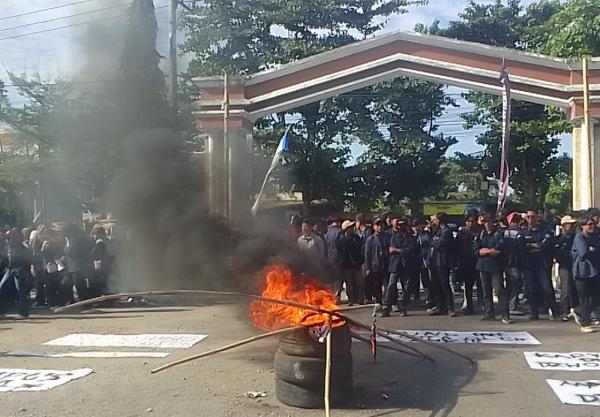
{"x":586,"y":270}
{"x":594,"y":213}
{"x":349,"y":248}
{"x":539,"y":246}
{"x":569,"y":299}
{"x":442,"y":261}
{"x":402,"y":251}
{"x":376,"y":261}
{"x":512,"y":258}
{"x":488,"y":248}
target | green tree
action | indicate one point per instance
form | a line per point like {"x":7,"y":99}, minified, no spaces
{"x":141,"y":89}
{"x":463,"y":178}
{"x":573,"y":31}
{"x":239,"y":37}
{"x":559,"y":196}
{"x":535,"y":128}
{"x":403,"y":160}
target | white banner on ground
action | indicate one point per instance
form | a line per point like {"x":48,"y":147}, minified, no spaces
{"x":481,"y":337}
{"x":555,"y":361}
{"x":89,"y":354}
{"x":173,"y":341}
{"x":576,"y":392}
{"x":37,"y":380}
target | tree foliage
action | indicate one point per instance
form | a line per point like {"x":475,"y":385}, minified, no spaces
{"x":535,"y":128}
{"x":243,"y":37}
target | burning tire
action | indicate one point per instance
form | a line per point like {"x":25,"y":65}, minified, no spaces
{"x":310,"y":372}
{"x":299,"y":396}
{"x":301,"y":343}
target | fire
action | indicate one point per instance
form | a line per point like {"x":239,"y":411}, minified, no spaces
{"x":281,"y":284}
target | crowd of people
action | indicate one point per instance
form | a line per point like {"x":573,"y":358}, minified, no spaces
{"x":58,"y":266}
{"x":502,"y":266}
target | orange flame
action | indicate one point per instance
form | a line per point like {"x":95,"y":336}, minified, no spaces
{"x":280,"y":284}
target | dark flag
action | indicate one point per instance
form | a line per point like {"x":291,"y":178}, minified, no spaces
{"x":504,"y":168}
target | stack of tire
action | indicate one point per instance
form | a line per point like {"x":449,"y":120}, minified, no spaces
{"x":300,"y":369}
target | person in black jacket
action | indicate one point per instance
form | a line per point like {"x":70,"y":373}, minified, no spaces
{"x":79,"y":262}
{"x":488,"y":248}
{"x":376,"y":261}
{"x":539,"y":244}
{"x":402,"y":250}
{"x":466,"y":264}
{"x":586,"y":270}
{"x":349,"y":249}
{"x":569,"y":299}
{"x":363,"y":232}
{"x":102,"y":263}
{"x":17,"y":280}
{"x":423,"y":236}
{"x":514,"y":249}
{"x":442,"y":261}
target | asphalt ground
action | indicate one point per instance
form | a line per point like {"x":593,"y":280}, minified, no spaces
{"x":499,"y":384}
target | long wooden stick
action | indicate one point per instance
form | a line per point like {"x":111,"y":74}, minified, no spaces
{"x":358,"y":307}
{"x":224,"y":348}
{"x":202,"y":292}
{"x":367,"y":341}
{"x":405,"y":345}
{"x":265,"y":299}
{"x":328,"y":367}
{"x":382,"y":333}
{"x":425,"y":342}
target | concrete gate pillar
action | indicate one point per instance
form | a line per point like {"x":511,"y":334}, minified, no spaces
{"x":586,"y":155}
{"x":223,"y":118}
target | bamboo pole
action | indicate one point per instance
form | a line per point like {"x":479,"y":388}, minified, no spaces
{"x":328,"y":367}
{"x":382,"y":333}
{"x":199,"y":292}
{"x":405,"y":345}
{"x":224,"y":348}
{"x":367,"y":341}
{"x":435,"y":345}
{"x":358,"y":307}
{"x":589,"y":143}
{"x":336,"y":314}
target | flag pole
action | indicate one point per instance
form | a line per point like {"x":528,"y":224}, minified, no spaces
{"x":254,"y":208}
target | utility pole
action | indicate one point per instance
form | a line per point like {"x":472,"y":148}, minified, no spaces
{"x":173,"y":53}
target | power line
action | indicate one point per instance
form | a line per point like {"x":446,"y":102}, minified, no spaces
{"x":64,"y":17}
{"x":46,"y":9}
{"x":71,"y":25}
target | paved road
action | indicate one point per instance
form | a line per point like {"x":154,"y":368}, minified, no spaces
{"x":500,"y":384}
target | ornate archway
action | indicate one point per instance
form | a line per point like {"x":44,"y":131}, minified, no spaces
{"x":535,"y":78}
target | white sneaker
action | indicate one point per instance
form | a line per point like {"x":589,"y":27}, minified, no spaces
{"x":376,"y":309}
{"x":587,"y":329}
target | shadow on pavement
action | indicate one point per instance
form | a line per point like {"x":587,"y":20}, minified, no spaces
{"x":397,"y":382}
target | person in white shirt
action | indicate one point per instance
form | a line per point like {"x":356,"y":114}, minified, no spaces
{"x":313,"y":246}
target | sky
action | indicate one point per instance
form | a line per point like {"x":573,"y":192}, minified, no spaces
{"x":52,"y":52}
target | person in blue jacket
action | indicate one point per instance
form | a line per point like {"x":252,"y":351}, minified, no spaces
{"x":539,"y":246}
{"x":442,"y":260}
{"x":376,"y":261}
{"x":586,"y":270}
{"x":488,"y":247}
